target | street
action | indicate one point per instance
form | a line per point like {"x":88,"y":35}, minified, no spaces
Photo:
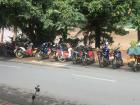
{"x":71,"y":83}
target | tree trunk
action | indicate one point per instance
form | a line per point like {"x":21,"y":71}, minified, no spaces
{"x":15,"y":33}
{"x":2,"y":34}
{"x":97,"y":38}
{"x":64,"y":34}
{"x":138,"y":34}
{"x":85,"y":39}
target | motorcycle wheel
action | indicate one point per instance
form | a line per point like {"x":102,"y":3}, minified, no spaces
{"x":92,"y":61}
{"x":101,"y":62}
{"x":84,"y":62}
{"x":52,"y":57}
{"x":114,"y":64}
{"x":135,"y":67}
{"x":131,"y":64}
{"x":38,"y":56}
{"x":74,"y":61}
{"x":121,"y":62}
{"x":19,"y":53}
{"x":61,"y":59}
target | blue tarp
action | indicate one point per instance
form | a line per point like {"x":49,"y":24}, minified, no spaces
{"x":134,"y":51}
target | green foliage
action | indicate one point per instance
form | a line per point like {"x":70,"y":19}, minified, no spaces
{"x":135,"y":14}
{"x":133,"y":44}
{"x":42,"y":20}
{"x":104,"y":16}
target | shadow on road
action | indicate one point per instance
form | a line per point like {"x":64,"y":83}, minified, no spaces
{"x":20,"y":97}
{"x":2,"y":58}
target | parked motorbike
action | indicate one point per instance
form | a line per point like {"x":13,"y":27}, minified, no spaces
{"x":76,"y":56}
{"x":134,"y":53}
{"x":87,"y":56}
{"x":43,"y":51}
{"x":135,"y":65}
{"x":117,"y":61}
{"x":62,"y":53}
{"x":52,"y":55}
{"x":25,"y":51}
{"x":8,"y":49}
{"x":103,"y":56}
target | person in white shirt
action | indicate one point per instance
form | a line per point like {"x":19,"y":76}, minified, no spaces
{"x":70,"y":51}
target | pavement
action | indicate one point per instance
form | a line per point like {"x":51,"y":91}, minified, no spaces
{"x":31,"y":60}
{"x":3,"y":102}
{"x":14,"y":96}
{"x":89,"y":85}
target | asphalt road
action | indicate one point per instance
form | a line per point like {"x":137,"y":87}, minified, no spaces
{"x":78,"y":84}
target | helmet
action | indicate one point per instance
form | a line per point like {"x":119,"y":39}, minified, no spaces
{"x":31,"y":44}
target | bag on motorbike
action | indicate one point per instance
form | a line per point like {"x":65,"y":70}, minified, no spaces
{"x":29,"y":51}
{"x":90,"y":54}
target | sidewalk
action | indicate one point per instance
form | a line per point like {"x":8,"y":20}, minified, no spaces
{"x":47,"y":62}
{"x":3,"y":102}
{"x":31,"y":60}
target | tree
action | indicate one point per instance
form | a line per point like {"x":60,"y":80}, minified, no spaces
{"x":40,"y":20}
{"x":9,"y":14}
{"x":62,"y":16}
{"x":135,"y":16}
{"x":3,"y":18}
{"x":44,"y":19}
{"x":103,"y":16}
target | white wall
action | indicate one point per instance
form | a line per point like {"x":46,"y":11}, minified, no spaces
{"x":7,"y":34}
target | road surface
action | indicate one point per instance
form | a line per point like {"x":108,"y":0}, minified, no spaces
{"x":77,"y":84}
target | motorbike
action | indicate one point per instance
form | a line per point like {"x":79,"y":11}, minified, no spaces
{"x":135,"y":65}
{"x":8,"y":49}
{"x":62,"y":53}
{"x":117,"y":61}
{"x":103,"y":57}
{"x":43,"y":51}
{"x":76,"y":56}
{"x":53,"y":53}
{"x":134,"y":53}
{"x":87,"y":56}
{"x":25,"y":51}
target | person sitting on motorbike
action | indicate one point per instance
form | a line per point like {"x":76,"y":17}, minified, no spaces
{"x":44,"y":47}
{"x":61,"y":46}
{"x":105,"y":50}
{"x":90,"y":52}
{"x":70,"y":51}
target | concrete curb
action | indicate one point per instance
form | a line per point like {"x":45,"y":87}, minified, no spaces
{"x":45,"y":63}
{"x":3,"y":102}
{"x":31,"y":61}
